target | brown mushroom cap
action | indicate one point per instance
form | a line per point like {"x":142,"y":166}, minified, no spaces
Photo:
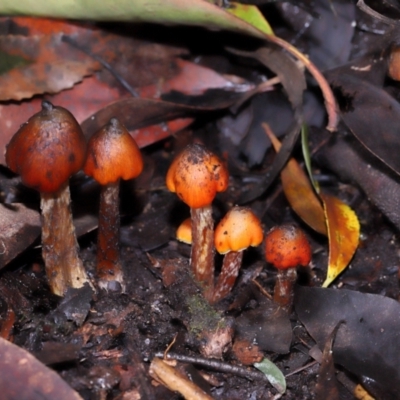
{"x":238,"y":230}
{"x":286,"y":246}
{"x":196,"y":175}
{"x":47,"y":149}
{"x":113,"y":154}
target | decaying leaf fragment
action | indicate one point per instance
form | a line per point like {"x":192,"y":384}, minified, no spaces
{"x":327,"y":384}
{"x":371,"y":114}
{"x":358,"y":165}
{"x":167,"y":375}
{"x":22,"y":376}
{"x":293,"y":81}
{"x":19,"y":227}
{"x":366,"y":343}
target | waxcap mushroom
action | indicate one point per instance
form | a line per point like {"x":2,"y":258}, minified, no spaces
{"x":239,"y":229}
{"x":287,"y":246}
{"x":196,"y":175}
{"x":113,"y":154}
{"x":46,"y":151}
{"x":184,"y":231}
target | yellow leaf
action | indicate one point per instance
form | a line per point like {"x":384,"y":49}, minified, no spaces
{"x":299,"y":191}
{"x":343,"y":234}
{"x":252,"y":15}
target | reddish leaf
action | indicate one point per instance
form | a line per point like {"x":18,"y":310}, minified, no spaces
{"x":50,"y":66}
{"x":92,"y":95}
{"x":191,"y":79}
{"x":84,"y":100}
{"x":45,"y":26}
{"x":7,"y":324}
{"x":154,"y":133}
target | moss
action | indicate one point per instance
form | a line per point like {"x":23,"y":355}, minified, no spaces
{"x":203,"y":317}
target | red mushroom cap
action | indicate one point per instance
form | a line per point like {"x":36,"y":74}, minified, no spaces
{"x":286,"y":246}
{"x":238,"y":230}
{"x":196,"y":175}
{"x":113,"y":154}
{"x":47,"y":149}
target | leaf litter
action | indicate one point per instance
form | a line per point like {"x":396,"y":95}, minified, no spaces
{"x":121,"y":332}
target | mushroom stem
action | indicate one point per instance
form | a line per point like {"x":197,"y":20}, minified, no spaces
{"x":202,"y":255}
{"x":64,"y":268}
{"x":108,"y":260}
{"x":227,"y":277}
{"x":283,"y":291}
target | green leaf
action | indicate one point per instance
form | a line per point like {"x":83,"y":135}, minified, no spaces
{"x":273,"y":373}
{"x":252,"y":15}
{"x":307,"y":156}
{"x":185,"y":12}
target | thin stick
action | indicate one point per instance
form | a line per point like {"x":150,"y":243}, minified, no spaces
{"x":104,"y":63}
{"x":217,"y":366}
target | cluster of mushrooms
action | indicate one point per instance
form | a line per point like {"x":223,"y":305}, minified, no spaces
{"x":50,"y":147}
{"x":45,"y":152}
{"x":196,"y":175}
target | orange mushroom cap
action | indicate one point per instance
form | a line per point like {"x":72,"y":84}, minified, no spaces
{"x":47,"y":149}
{"x":113,"y":154}
{"x":196,"y":175}
{"x":286,"y":246}
{"x":238,"y":230}
{"x":184,"y":231}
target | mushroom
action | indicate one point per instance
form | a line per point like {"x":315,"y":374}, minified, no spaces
{"x":286,"y":247}
{"x":184,"y":231}
{"x":237,"y":231}
{"x":196,"y":175}
{"x":45,"y":152}
{"x":112,"y":155}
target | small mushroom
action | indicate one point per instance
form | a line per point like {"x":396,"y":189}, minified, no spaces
{"x":238,"y":230}
{"x":45,"y":152}
{"x":112,"y":155}
{"x":184,"y":231}
{"x":196,"y":175}
{"x":286,"y":247}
